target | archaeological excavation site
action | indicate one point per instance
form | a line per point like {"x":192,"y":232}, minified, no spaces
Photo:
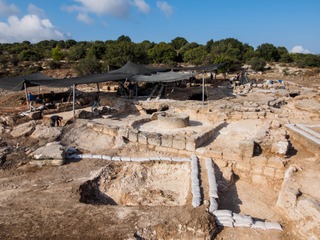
{"x":200,"y":158}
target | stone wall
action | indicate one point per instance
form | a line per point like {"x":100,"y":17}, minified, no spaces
{"x":259,"y":169}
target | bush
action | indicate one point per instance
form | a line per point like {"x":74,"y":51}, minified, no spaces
{"x":88,"y":66}
{"x":257,"y":64}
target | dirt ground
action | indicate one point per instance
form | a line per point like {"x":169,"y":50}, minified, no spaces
{"x":136,"y":201}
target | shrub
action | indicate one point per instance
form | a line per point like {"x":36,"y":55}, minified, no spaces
{"x":257,"y":64}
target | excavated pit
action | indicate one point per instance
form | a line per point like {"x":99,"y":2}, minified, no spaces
{"x":133,"y":184}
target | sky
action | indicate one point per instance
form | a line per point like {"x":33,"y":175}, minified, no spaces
{"x":294,"y":24}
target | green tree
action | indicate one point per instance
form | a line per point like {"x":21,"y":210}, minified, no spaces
{"x":29,"y":55}
{"x":306,"y":60}
{"x":124,"y":38}
{"x":178,"y":43}
{"x":196,"y":56}
{"x":119,"y":53}
{"x":268,"y":52}
{"x":162,"y":53}
{"x":57,"y":54}
{"x":77,"y":52}
{"x":69,"y":43}
{"x":97,"y":50}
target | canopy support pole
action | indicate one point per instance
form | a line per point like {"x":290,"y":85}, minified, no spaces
{"x":73,"y":100}
{"x":203,"y":88}
{"x":26,"y":93}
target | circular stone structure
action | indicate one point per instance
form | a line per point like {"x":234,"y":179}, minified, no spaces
{"x":173,"y":120}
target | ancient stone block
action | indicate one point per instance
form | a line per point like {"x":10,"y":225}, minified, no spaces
{"x":161,"y":149}
{"x":257,"y":170}
{"x":24,"y":129}
{"x":269,"y":172}
{"x":133,"y":135}
{"x":124,"y":132}
{"x":279,"y":174}
{"x":220,"y":163}
{"x":142,"y":138}
{"x":190,"y":144}
{"x":275,"y":162}
{"x":243,"y":167}
{"x":214,"y":154}
{"x":259,"y":160}
{"x":166,"y":140}
{"x":199,"y":140}
{"x":51,"y":154}
{"x":227,"y":155}
{"x":280,"y":147}
{"x":246,"y":148}
{"x":179,"y":142}
{"x":154,"y":139}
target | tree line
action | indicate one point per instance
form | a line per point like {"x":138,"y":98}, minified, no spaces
{"x":97,"y":56}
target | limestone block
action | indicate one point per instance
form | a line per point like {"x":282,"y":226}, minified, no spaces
{"x":227,"y":155}
{"x":48,"y":133}
{"x":199,"y":140}
{"x":280,"y":147}
{"x":53,"y":152}
{"x":257,"y":170}
{"x":183,"y":152}
{"x":154,"y":139}
{"x":275,"y":162}
{"x":246,"y":148}
{"x":243,"y":167}
{"x":173,"y":151}
{"x":214,"y":154}
{"x":124,"y":132}
{"x":279,"y":174}
{"x":310,"y":207}
{"x":287,"y":199}
{"x":190,"y":144}
{"x":259,"y":179}
{"x":166,"y":140}
{"x":142,"y":138}
{"x":220,"y":163}
{"x":133,"y":135}
{"x":269,"y":172}
{"x":161,"y":149}
{"x":24,"y":129}
{"x":179,"y":142}
{"x":259,"y":160}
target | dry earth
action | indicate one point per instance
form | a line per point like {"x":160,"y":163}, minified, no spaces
{"x":100,"y":199}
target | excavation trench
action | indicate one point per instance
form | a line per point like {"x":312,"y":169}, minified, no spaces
{"x":132,"y":184}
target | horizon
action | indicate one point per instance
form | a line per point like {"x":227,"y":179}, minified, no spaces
{"x":290,"y":24}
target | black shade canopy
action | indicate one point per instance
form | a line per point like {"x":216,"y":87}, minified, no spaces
{"x":130,"y":71}
{"x":17,"y":83}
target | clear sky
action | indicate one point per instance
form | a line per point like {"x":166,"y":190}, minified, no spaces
{"x":294,"y":24}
